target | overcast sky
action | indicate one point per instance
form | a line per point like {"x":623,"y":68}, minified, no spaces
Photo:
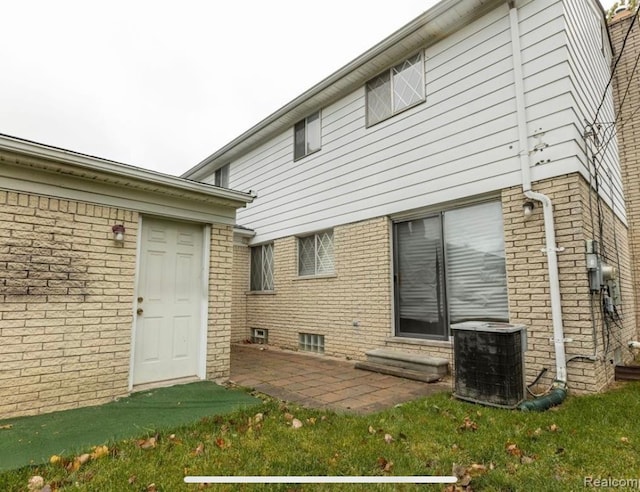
{"x":161,"y":84}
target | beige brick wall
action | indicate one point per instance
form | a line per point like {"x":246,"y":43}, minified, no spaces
{"x":626,"y":94}
{"x":220,"y":295}
{"x":360,"y":291}
{"x":529,"y":301}
{"x":66,"y":292}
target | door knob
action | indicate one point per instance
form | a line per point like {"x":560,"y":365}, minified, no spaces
{"x":139,"y":310}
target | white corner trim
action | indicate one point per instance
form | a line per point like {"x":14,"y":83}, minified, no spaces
{"x":204,"y":305}
{"x":134,"y":302}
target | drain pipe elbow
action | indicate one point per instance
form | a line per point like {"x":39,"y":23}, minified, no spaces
{"x":555,"y":397}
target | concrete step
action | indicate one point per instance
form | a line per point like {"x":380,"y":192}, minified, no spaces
{"x":398,"y":371}
{"x":433,"y":366}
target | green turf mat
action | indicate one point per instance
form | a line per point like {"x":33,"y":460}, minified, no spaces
{"x":32,"y":440}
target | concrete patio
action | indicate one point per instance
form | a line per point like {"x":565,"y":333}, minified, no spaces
{"x":318,"y":381}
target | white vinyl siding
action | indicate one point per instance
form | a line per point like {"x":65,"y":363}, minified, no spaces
{"x":462,"y":141}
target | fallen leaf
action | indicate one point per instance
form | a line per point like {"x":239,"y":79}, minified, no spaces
{"x":199,"y":450}
{"x":537,"y":432}
{"x":99,"y":452}
{"x":152,"y":487}
{"x":288,"y":416}
{"x":6,"y":426}
{"x":132,"y":479}
{"x":221,"y":443}
{"x":36,"y":482}
{"x":476,"y":469}
{"x":624,"y":439}
{"x":384,"y":464}
{"x":388,"y":438}
{"x":259,"y":417}
{"x":513,"y":449}
{"x":148,"y":443}
{"x":468,"y":424}
{"x":371,"y":430}
{"x":454,"y":447}
{"x":296,"y":424}
{"x":55,"y":459}
{"x":73,"y":466}
{"x":527,"y":460}
{"x":311,"y":420}
{"x":83,"y":458}
{"x":554,"y":428}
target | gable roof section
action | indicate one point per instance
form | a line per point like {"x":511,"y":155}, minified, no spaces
{"x":433,"y":25}
{"x":31,"y":167}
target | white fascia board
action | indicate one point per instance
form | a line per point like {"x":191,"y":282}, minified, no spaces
{"x":141,"y":201}
{"x":51,"y":157}
{"x":428,"y":28}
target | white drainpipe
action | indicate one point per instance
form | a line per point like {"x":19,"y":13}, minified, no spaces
{"x":549,"y":227}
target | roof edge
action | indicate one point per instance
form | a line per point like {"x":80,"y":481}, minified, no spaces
{"x":97,"y":164}
{"x":442,"y":8}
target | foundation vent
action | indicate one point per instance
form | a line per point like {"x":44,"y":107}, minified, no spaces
{"x":259,"y":335}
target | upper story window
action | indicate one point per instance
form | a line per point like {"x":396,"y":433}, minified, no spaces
{"x":262,"y":267}
{"x":306,"y":135}
{"x":222,"y":176}
{"x":395,"y":90}
{"x":315,"y":254}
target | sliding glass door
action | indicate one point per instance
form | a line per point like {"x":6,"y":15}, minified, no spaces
{"x":449,"y":268}
{"x":419,"y":278}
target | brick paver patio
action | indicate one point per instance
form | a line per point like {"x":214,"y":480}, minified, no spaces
{"x":318,"y":381}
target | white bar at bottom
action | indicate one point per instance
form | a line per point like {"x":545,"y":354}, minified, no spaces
{"x":320,"y":479}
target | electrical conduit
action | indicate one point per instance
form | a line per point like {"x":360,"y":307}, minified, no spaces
{"x":559,"y":391}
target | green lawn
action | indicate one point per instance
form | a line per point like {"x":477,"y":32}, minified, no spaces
{"x":491,"y":449}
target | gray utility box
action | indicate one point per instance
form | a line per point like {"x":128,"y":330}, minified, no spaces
{"x":489,"y":362}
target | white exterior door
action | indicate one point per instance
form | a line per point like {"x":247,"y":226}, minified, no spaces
{"x":169,"y":296}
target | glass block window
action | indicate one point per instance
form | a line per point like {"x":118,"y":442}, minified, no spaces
{"x":315,"y":254}
{"x":310,"y":342}
{"x":395,"y":90}
{"x":306,"y":136}
{"x":262,"y":267}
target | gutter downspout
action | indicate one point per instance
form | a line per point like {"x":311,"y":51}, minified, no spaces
{"x":551,"y":249}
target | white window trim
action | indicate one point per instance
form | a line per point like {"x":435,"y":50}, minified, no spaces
{"x":306,"y":136}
